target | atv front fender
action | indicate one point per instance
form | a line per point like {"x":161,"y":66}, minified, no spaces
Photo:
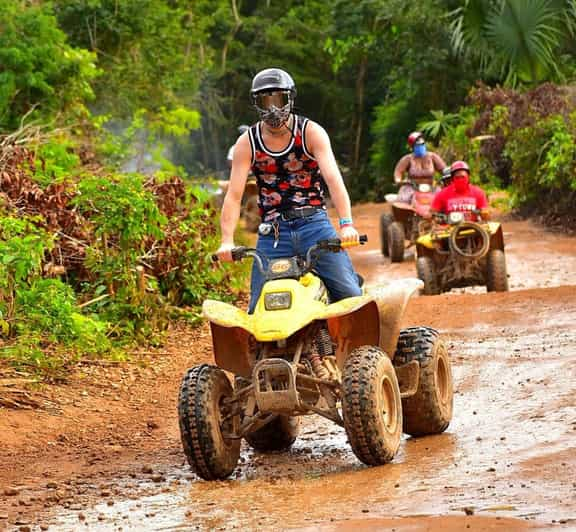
{"x":352,"y":322}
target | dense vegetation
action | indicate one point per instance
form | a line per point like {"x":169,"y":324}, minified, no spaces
{"x":104,"y":103}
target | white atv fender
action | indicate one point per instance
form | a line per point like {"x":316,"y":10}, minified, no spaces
{"x":392,"y":300}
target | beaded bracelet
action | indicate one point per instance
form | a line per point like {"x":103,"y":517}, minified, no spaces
{"x":345,"y":222}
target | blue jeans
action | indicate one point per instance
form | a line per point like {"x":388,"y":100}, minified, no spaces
{"x":296,"y":236}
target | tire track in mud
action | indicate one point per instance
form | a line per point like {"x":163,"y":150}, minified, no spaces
{"x":508,"y":456}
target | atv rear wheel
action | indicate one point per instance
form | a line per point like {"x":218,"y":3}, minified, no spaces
{"x":371,"y":405}
{"x":496,"y":276}
{"x":429,"y":411}
{"x":396,"y":242}
{"x":385,"y":221}
{"x":427,"y":274}
{"x":277,"y":435}
{"x":202,"y":416}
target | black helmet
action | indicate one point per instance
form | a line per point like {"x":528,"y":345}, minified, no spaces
{"x":446,"y":178}
{"x":273,"y":79}
{"x":273,"y":92}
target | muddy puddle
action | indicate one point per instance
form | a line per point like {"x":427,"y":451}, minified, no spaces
{"x":507,"y":461}
{"x":509,"y":452}
{"x":534,"y":258}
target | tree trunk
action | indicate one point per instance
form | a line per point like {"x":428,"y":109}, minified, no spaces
{"x":359,"y":118}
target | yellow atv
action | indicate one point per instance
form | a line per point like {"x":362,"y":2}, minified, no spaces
{"x":456,"y":253}
{"x":298,"y":354}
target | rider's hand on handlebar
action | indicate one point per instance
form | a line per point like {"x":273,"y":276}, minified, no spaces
{"x":224,"y":252}
{"x":349,"y":236}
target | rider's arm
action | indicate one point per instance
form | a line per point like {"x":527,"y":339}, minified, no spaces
{"x":318,"y":143}
{"x":438,"y":203}
{"x":231,"y":208}
{"x":401,"y":168}
{"x":439,"y":163}
{"x":482,"y":204}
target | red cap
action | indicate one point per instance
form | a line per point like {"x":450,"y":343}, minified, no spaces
{"x":459,"y":165}
{"x":413,"y":137}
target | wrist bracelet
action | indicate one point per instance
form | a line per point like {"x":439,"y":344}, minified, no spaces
{"x":345,"y":221}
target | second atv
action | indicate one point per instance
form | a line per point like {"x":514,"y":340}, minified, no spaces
{"x":299,"y":354}
{"x":457,"y":253}
{"x":407,"y":220}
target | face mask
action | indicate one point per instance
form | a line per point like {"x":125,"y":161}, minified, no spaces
{"x":274,"y":117}
{"x":420,"y":150}
{"x":461,"y":184}
{"x":273,"y":107}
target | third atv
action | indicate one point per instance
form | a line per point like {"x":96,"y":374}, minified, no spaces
{"x":457,"y":253}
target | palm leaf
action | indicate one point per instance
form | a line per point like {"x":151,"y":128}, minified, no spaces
{"x":524,"y":33}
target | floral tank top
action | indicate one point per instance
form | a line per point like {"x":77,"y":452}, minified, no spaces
{"x":287,"y":179}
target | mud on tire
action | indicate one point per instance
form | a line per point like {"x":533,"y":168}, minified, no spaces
{"x":496,"y":276}
{"x":396,"y":242}
{"x":429,"y":411}
{"x":427,"y":274}
{"x":371,"y":405}
{"x":200,"y":411}
{"x":385,"y":221}
{"x":277,"y":435}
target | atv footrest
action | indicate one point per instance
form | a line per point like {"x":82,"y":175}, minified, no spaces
{"x":275,"y":386}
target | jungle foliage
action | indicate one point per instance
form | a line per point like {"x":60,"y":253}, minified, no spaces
{"x":109,"y":110}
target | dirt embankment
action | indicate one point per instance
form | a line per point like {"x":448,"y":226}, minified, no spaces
{"x":104,"y":449}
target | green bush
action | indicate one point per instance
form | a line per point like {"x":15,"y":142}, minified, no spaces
{"x":40,"y":71}
{"x":39,"y":318}
{"x":543,"y":160}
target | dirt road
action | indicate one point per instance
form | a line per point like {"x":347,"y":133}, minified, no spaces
{"x":104,"y":454}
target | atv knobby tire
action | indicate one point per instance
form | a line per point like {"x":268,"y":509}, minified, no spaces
{"x":201,"y":408}
{"x":277,"y":435}
{"x":496,"y":276}
{"x":371,"y":405}
{"x":396,"y":242}
{"x":385,"y":221}
{"x":429,"y":411}
{"x":427,"y":274}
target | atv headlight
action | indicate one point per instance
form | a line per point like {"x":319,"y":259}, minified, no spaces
{"x":277,"y":300}
{"x":456,"y":217}
{"x":424,"y":187}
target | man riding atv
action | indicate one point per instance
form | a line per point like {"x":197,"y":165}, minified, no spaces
{"x":415,"y":175}
{"x":462,"y":248}
{"x":290,"y":156}
{"x":461,"y":196}
{"x":420,"y":166}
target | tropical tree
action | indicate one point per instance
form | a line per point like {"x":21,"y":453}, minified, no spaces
{"x":41,"y":74}
{"x":515,"y":41}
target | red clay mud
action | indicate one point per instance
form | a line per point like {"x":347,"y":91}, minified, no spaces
{"x":104,"y":450}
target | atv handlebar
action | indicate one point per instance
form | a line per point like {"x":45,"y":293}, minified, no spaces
{"x":443,"y":218}
{"x":332,"y":244}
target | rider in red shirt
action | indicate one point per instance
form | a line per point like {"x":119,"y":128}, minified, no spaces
{"x":461,"y":196}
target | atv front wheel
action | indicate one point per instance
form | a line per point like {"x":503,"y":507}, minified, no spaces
{"x":496,"y":276}
{"x":427,"y":274}
{"x":429,"y":411}
{"x":385,"y":221}
{"x":205,"y":421}
{"x":371,"y":405}
{"x":396,"y":242}
{"x":277,"y":435}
